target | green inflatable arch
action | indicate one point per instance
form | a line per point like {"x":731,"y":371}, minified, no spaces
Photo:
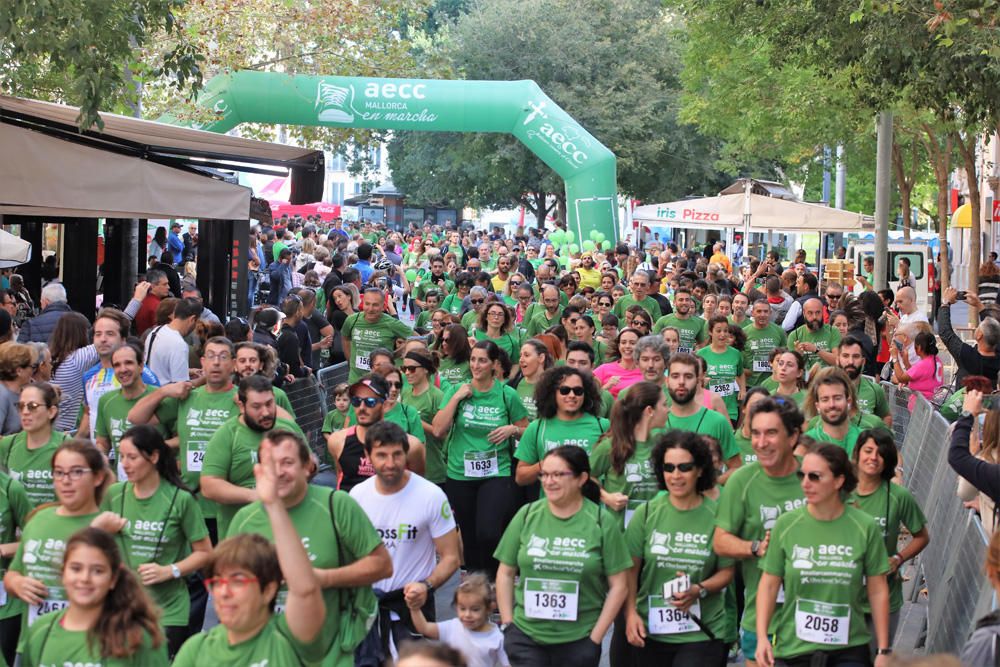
{"x":516,"y":107}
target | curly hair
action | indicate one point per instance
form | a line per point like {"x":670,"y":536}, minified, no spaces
{"x":693,"y":444}
{"x":552,"y":379}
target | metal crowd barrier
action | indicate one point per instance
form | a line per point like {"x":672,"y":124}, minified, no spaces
{"x":950,"y":568}
{"x":311,"y":398}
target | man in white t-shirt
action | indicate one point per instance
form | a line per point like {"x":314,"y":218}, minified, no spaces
{"x":166,"y":350}
{"x":414,"y":519}
{"x":906,"y":302}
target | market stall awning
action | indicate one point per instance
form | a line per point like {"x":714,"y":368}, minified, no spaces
{"x":48,"y":176}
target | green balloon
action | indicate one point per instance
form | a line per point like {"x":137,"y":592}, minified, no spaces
{"x":593,"y":234}
{"x":411,"y":275}
{"x":574,"y":248}
{"x":556,"y":237}
{"x":570,"y":237}
{"x":600,"y":236}
{"x":588,"y":245}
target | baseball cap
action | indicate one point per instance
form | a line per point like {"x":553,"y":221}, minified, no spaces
{"x":587,"y":253}
{"x":373,"y":381}
{"x":175,"y":225}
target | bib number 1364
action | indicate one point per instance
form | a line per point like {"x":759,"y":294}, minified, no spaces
{"x":551,"y":600}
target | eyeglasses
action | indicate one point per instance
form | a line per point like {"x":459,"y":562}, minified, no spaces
{"x":812,"y":476}
{"x":73,"y":473}
{"x":396,"y":384}
{"x":369,"y":402}
{"x":683,"y":467}
{"x":31,"y":406}
{"x":565,"y":391}
{"x":554,"y":475}
{"x":237,"y":583}
{"x":218,"y":357}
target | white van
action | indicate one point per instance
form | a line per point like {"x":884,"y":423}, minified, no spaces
{"x":920,"y":258}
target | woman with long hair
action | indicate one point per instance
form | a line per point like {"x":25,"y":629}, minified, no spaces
{"x":559,"y":615}
{"x":663,"y":631}
{"x":926,"y":375}
{"x":585,"y":331}
{"x":620,"y":461}
{"x":892,"y":506}
{"x":830,"y":557}
{"x":511,"y":288}
{"x":454,"y":352}
{"x":464,"y":283}
{"x":16,"y":368}
{"x":27,"y":455}
{"x":343,"y":303}
{"x":568,"y":403}
{"x":495,"y":322}
{"x":158,"y":244}
{"x":72,"y":354}
{"x":420,"y":368}
{"x":479,"y":422}
{"x":109,"y":618}
{"x":167,"y":538}
{"x":787,"y":373}
{"x":81,"y":476}
{"x":533,"y":360}
{"x":621,"y":371}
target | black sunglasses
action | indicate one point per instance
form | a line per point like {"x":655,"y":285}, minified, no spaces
{"x":813,"y":476}
{"x":683,"y":467}
{"x":476,"y":302}
{"x":369,"y":402}
{"x":565,"y":391}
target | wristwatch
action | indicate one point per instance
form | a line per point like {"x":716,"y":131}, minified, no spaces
{"x":754,"y":546}
{"x":427,"y":583}
{"x":702,"y":592}
{"x":175,"y":571}
{"x":884,"y":651}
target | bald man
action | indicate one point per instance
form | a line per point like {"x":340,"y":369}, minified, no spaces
{"x":906,"y":303}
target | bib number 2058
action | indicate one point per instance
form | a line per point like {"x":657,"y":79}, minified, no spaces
{"x":822,"y":623}
{"x":551,"y":600}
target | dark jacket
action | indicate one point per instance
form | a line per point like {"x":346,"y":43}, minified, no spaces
{"x":983,"y":648}
{"x":40,"y":327}
{"x":970,"y":361}
{"x":983,"y":475}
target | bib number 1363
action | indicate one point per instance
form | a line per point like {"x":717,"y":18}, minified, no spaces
{"x":822,"y":623}
{"x":551,"y":600}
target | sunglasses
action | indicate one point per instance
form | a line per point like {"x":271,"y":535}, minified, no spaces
{"x":369,"y":402}
{"x":396,"y":385}
{"x":606,"y":304}
{"x":411,"y":369}
{"x":476,"y":302}
{"x":683,"y":467}
{"x":31,"y":406}
{"x":515,"y":283}
{"x":565,"y":391}
{"x":812,"y":476}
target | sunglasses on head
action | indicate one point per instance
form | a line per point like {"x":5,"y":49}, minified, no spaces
{"x":683,"y":467}
{"x":565,"y":391}
{"x":812,"y":476}
{"x":369,"y":402}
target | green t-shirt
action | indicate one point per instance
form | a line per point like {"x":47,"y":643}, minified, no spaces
{"x":748,"y":507}
{"x":826,"y":339}
{"x":231,"y":455}
{"x":544,"y":435}
{"x":871,"y":398}
{"x":365,"y":336}
{"x":563,"y":565}
{"x":31,"y":467}
{"x":49,"y":643}
{"x":540,"y":321}
{"x":469,"y":319}
{"x":195,"y":420}
{"x":861,"y":420}
{"x":508,"y":342}
{"x":273,"y":645}
{"x":706,"y":422}
{"x":756,"y":352}
{"x":470,"y":455}
{"x":452,"y":372}
{"x":847,"y":444}
{"x":427,"y":405}
{"x":774,"y":389}
{"x":112,"y":421}
{"x":647,"y":303}
{"x":526,"y":392}
{"x":637,"y":480}
{"x":160,"y":529}
{"x":282,"y":401}
{"x":423,"y":319}
{"x":453,"y":303}
{"x":40,"y":556}
{"x":822,"y":565}
{"x":313,"y":522}
{"x":723,"y":370}
{"x":693,"y":331}
{"x":892,"y":506}
{"x":426,"y":283}
{"x":14,"y":507}
{"x":746,"y":447}
{"x":667,"y":541}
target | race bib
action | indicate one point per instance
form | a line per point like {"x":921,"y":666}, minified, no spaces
{"x":122,"y":477}
{"x":666,"y":619}
{"x":195,"y":458}
{"x":481,"y":464}
{"x":3,"y":596}
{"x":628,"y":516}
{"x":55,"y":602}
{"x":781,"y":595}
{"x":551,"y":599}
{"x":822,"y":623}
{"x":724,"y":389}
{"x":761,"y":366}
{"x":362,"y":362}
{"x":280,"y":601}
{"x":685,"y":350}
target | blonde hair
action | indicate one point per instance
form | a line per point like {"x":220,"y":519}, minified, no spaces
{"x":476,"y":583}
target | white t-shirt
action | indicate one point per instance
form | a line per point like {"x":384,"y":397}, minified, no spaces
{"x":167,"y":355}
{"x":481,"y":649}
{"x":408,"y":522}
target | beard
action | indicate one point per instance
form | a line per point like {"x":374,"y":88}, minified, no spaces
{"x":814,"y":325}
{"x":836,"y":421}
{"x":681,"y":399}
{"x":853,"y":372}
{"x":259,"y":426}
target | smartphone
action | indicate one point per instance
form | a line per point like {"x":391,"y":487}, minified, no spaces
{"x":899,"y":345}
{"x":991,"y":402}
{"x":961,"y":295}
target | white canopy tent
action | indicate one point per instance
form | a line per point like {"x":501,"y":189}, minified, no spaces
{"x":14,"y":251}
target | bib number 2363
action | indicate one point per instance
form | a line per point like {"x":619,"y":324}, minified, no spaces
{"x":481,"y":464}
{"x":822,"y":623}
{"x":551,"y":599}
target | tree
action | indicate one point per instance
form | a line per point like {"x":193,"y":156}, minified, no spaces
{"x":85,"y":52}
{"x":612,"y":65}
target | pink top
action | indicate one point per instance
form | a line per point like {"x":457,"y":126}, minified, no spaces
{"x":926,"y":376}
{"x":628,"y":376}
